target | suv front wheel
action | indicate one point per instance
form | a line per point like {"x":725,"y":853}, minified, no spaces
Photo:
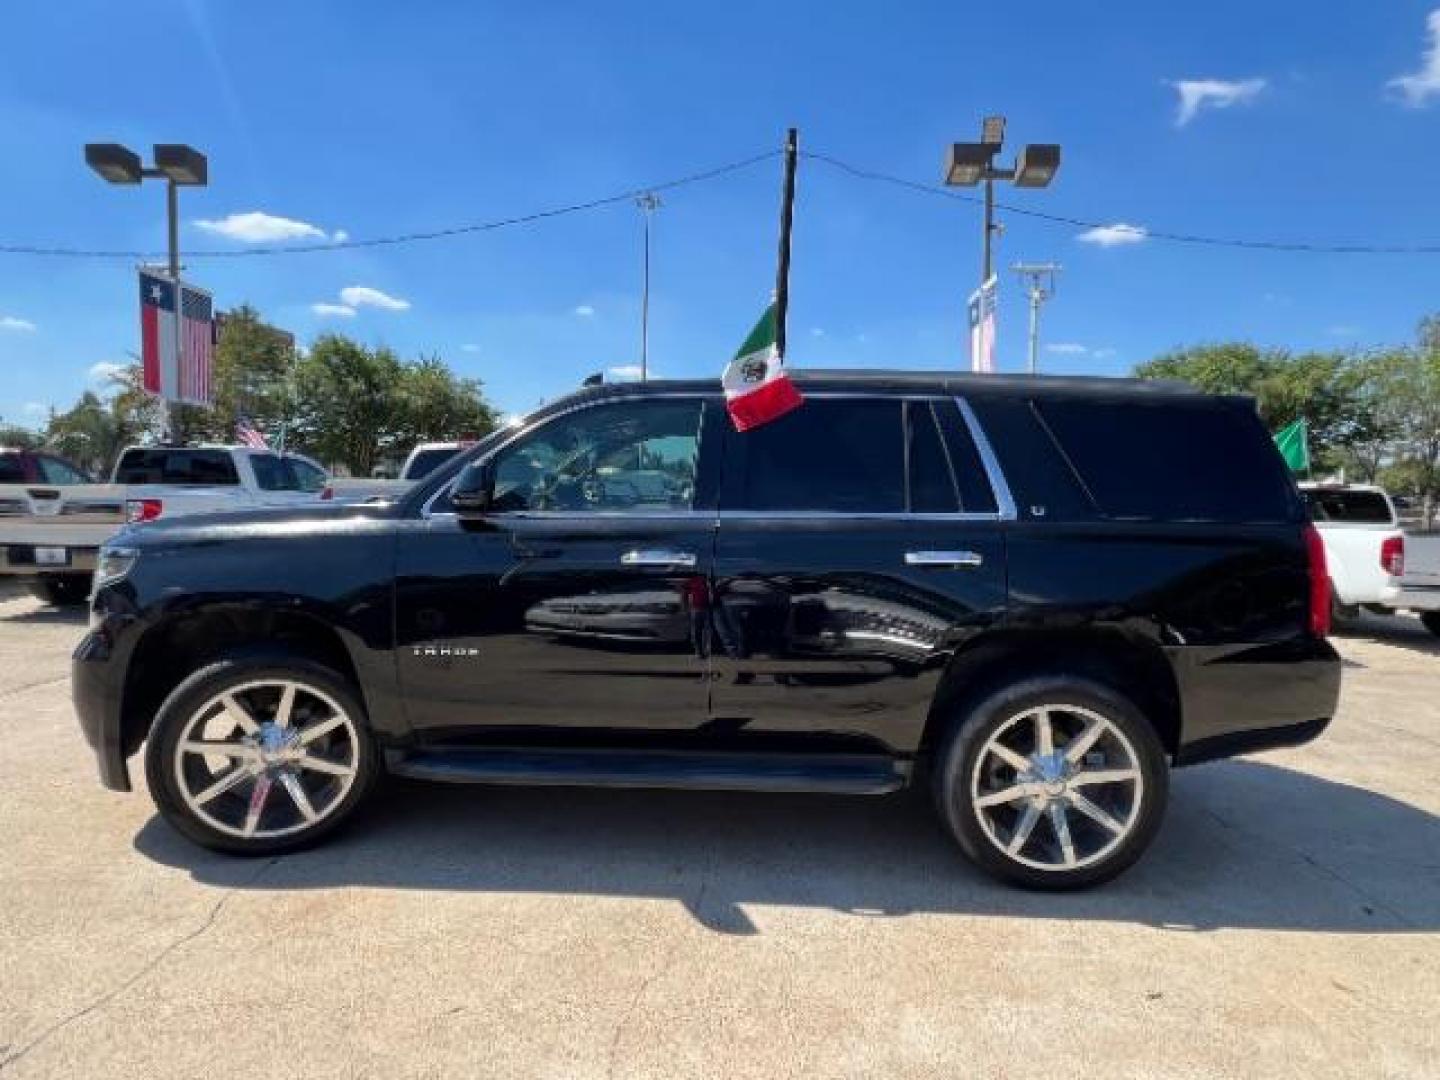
{"x":260,"y":755}
{"x":1053,"y":783}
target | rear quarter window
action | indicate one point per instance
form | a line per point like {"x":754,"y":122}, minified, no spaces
{"x":164,"y":465}
{"x":1187,"y":460}
{"x":1359,"y":507}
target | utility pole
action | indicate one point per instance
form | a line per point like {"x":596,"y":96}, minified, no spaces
{"x":1039,"y":281}
{"x":648,"y":204}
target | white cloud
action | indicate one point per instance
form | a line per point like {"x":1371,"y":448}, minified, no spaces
{"x":257,"y":227}
{"x":816,"y":331}
{"x":585,"y":311}
{"x":470,"y":347}
{"x":1417,"y":88}
{"x":358,"y":296}
{"x":105,"y":370}
{"x":338,"y":311}
{"x":1114,"y":235}
{"x":1199,"y":94}
{"x":339,"y":236}
{"x":34,"y":408}
{"x":625,"y":371}
{"x":1072,"y":348}
{"x":1342,"y":330}
{"x":13,"y":322}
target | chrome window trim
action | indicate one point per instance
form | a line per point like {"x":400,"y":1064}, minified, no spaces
{"x":1004,"y":501}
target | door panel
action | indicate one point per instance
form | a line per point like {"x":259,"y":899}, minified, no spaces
{"x":577,"y":609}
{"x":553,"y":623}
{"x":858,"y":549}
{"x":824,"y":631}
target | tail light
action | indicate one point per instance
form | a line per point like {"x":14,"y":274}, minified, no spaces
{"x":327,"y":493}
{"x":1319,"y":582}
{"x":137,"y":510}
{"x":1392,"y":556}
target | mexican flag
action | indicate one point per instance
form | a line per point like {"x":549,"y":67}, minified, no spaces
{"x":1294,"y":443}
{"x":757,"y":389}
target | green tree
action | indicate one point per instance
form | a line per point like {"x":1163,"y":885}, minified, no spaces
{"x":439,"y":406}
{"x":253,"y":367}
{"x":14,"y":437}
{"x":349,"y":406}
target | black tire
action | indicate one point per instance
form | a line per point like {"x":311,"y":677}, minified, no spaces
{"x":973,"y":727}
{"x":1431,"y":621}
{"x":62,"y":590}
{"x":1343,"y":617}
{"x":225,"y":675}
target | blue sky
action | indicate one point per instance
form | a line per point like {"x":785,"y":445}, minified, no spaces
{"x":372,"y":119}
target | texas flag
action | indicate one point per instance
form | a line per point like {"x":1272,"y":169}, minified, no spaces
{"x":757,"y":387}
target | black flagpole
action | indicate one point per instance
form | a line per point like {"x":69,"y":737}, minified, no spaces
{"x":787,"y":210}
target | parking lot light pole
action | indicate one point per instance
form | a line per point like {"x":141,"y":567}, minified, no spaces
{"x":179,"y":166}
{"x":968,"y":164}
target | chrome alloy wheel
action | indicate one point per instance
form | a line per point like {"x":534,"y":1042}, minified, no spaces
{"x":242,"y":744}
{"x":1057,"y":787}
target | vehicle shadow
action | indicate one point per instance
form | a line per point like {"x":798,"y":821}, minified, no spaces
{"x":1245,"y":845}
{"x":1402,"y":631}
{"x":46,"y":616}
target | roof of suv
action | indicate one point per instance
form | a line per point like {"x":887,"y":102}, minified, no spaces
{"x":930,"y":382}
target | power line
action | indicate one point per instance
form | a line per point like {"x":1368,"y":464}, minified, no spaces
{"x":1149,"y":234}
{"x":404,"y":238}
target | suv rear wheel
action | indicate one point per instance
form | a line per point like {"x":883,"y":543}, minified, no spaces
{"x":62,"y":590}
{"x":1053,"y":783}
{"x":257,"y":756}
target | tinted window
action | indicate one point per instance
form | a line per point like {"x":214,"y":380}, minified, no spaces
{"x":976,"y":496}
{"x":274,"y":473}
{"x":1181,"y":460}
{"x":310,"y":477}
{"x":932,"y":483}
{"x":829,"y":455}
{"x":12,"y":469}
{"x":427,"y":461}
{"x":55,"y":471}
{"x":1365,"y":507}
{"x":632,"y":456}
{"x":162,"y":465}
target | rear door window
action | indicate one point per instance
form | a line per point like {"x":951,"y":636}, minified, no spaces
{"x":830,"y":455}
{"x":1201,"y":460}
{"x":1359,"y":507}
{"x":273,"y":473}
{"x":164,"y":465}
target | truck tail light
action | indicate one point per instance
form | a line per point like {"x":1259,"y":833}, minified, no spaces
{"x":137,"y":510}
{"x":1319,"y":582}
{"x":327,"y":493}
{"x":1392,"y":556}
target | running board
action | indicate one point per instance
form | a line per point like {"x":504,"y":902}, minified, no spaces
{"x":848,"y":774}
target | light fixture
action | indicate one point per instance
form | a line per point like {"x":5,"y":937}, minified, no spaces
{"x":1036,"y":165}
{"x":182,"y":164}
{"x":114,"y":163}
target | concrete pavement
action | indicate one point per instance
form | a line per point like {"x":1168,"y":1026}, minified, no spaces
{"x":1285,"y":923}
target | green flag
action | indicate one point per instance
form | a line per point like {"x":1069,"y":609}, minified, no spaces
{"x":1294,"y":443}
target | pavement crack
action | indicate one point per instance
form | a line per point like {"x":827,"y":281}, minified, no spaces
{"x":98,"y":1003}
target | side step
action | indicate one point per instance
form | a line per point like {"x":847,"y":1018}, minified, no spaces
{"x":849,"y":774}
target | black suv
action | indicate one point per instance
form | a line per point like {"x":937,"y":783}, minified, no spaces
{"x":1033,"y":595}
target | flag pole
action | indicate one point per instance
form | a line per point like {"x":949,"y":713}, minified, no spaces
{"x":787,"y":213}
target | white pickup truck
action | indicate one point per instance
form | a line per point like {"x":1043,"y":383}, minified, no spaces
{"x":50,"y":533}
{"x":1372,"y":563}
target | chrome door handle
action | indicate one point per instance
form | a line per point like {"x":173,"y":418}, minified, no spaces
{"x":944,"y":559}
{"x":658,"y":557}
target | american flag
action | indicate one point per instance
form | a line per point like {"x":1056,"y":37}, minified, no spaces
{"x":177,"y":367}
{"x":982,"y":327}
{"x":246,"y":433}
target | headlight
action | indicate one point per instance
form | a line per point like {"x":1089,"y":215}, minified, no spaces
{"x":114,"y":563}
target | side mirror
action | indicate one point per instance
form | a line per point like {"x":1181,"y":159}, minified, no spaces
{"x":474,"y":492}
